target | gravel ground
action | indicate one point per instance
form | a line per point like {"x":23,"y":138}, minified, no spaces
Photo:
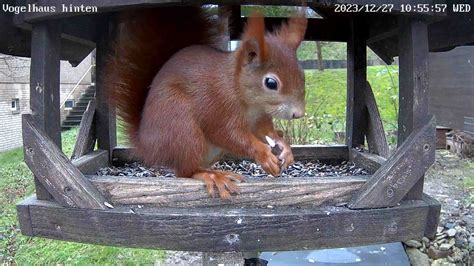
{"x":455,"y":238}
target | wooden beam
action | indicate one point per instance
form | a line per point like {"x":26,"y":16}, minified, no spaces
{"x":442,"y":36}
{"x":24,"y":219}
{"x":224,"y":13}
{"x":413,"y":83}
{"x":432,"y":220}
{"x":301,"y":152}
{"x":229,"y":229}
{"x":57,"y":174}
{"x":382,"y":26}
{"x":91,"y":162}
{"x":85,"y":141}
{"x":106,"y":128}
{"x":18,"y":42}
{"x":369,"y":161}
{"x":81,"y":30}
{"x":320,"y":152}
{"x":44,"y":85}
{"x":336,"y":30}
{"x":376,"y":139}
{"x":384,"y":38}
{"x":235,"y":22}
{"x":356,"y":114}
{"x":401,"y":171}
{"x":258,"y":192}
{"x":413,"y":77}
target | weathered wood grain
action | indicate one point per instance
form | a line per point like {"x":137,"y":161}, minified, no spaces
{"x":368,"y":161}
{"x":376,"y":139}
{"x":58,"y":175}
{"x":413,"y":83}
{"x":185,"y":192}
{"x":356,"y":114}
{"x":44,"y":84}
{"x":401,"y":171}
{"x":323,"y":153}
{"x":85,"y":141}
{"x":90,"y":163}
{"x":413,"y":77}
{"x":229,"y":229}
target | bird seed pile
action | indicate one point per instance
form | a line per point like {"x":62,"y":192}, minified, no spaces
{"x":246,"y":168}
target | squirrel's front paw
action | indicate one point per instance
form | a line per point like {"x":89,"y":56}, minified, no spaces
{"x":268,"y":161}
{"x":286,"y":155}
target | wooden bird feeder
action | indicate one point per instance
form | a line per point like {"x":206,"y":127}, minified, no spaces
{"x":74,"y":204}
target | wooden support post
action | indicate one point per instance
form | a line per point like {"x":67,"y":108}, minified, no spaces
{"x":59,"y":176}
{"x":86,"y":136}
{"x":224,"y":14}
{"x":356,"y":114}
{"x":44,"y":84}
{"x":376,"y":139}
{"x":106,"y":129}
{"x":235,"y":22}
{"x":432,"y":220}
{"x":413,"y":83}
{"x":393,"y":180}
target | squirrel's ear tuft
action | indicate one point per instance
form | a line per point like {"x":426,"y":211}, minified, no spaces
{"x":253,"y":40}
{"x":292,"y":33}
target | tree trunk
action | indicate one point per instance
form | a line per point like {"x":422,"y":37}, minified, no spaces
{"x":320,"y":56}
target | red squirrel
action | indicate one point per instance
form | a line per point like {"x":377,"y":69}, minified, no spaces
{"x":186,"y":103}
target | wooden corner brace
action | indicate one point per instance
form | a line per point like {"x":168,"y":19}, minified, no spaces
{"x":376,"y":139}
{"x":86,"y":136}
{"x":392,"y":181}
{"x":60,"y":177}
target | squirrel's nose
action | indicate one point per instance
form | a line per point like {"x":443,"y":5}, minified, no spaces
{"x":298,"y":114}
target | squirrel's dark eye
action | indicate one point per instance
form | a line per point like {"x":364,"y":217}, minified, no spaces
{"x":271,"y":83}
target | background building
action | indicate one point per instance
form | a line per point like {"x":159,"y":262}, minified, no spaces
{"x":14,"y":93}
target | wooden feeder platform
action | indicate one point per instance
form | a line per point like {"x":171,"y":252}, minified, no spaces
{"x":73,"y":203}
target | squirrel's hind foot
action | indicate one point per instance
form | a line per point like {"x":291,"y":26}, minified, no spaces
{"x":224,"y":181}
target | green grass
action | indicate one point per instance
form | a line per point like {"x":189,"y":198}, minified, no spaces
{"x":16,"y":182}
{"x":11,"y":156}
{"x":326,"y":104}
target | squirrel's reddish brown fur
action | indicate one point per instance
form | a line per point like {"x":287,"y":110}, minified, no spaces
{"x":186,"y":103}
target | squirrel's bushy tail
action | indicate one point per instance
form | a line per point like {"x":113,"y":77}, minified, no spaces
{"x":146,"y":39}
